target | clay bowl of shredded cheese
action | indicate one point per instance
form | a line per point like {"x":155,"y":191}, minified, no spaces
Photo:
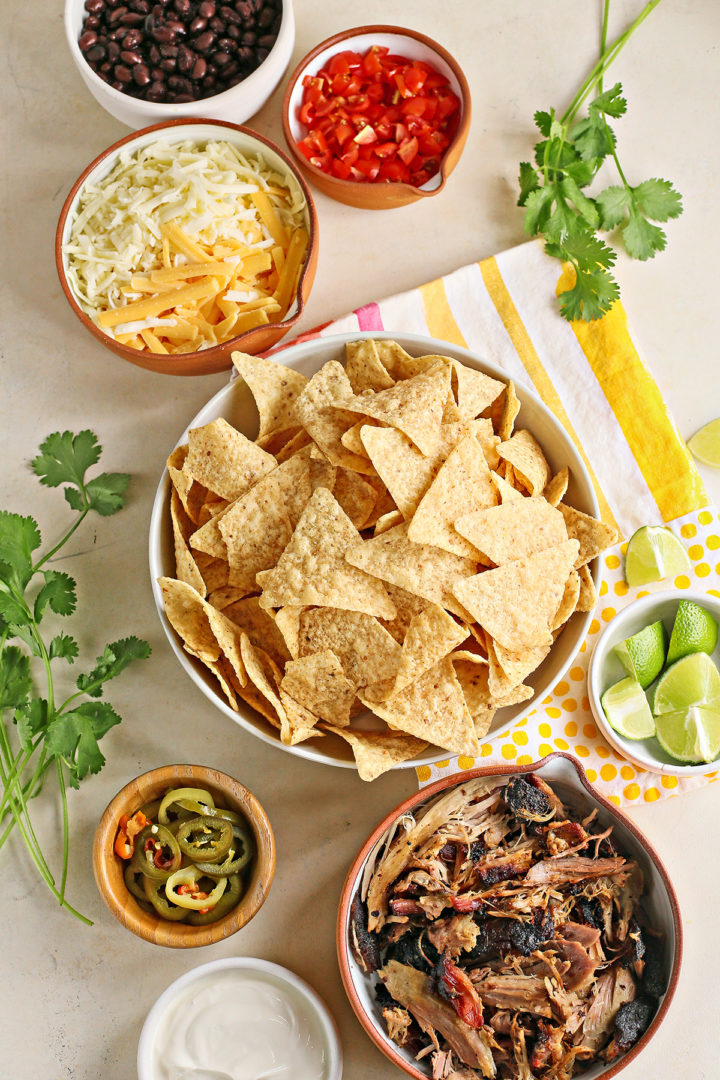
{"x":185,"y":241}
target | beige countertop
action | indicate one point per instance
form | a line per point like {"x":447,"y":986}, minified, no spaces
{"x":73,"y":999}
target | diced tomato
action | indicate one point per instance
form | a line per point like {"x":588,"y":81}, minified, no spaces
{"x":343,"y":132}
{"x":407,"y":150}
{"x":340,"y":169}
{"x":415,"y":78}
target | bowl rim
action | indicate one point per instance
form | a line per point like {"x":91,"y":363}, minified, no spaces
{"x":158,"y":108}
{"x":247,"y":963}
{"x":102,"y":853}
{"x":489,"y":771}
{"x":217,"y":352}
{"x":158,"y":522}
{"x":355,"y":186}
{"x":600,"y":651}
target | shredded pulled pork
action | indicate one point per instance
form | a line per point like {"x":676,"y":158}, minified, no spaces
{"x":508,"y":936}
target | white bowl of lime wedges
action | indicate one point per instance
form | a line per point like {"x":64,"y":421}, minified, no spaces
{"x":654,"y":683}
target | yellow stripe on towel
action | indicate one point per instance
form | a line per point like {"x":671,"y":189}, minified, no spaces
{"x":438,"y":314}
{"x":525,"y":349}
{"x":634,"y":397}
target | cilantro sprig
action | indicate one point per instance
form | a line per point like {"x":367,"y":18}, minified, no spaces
{"x":37,"y":731}
{"x":557,"y":206}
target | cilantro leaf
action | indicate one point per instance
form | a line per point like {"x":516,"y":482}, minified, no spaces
{"x":19,"y":537}
{"x":593,"y":139}
{"x":613,"y":205}
{"x":591,"y":296}
{"x":642,"y":240}
{"x":114,"y":659}
{"x":31,"y":719}
{"x":15,"y":684}
{"x":527,"y":180}
{"x":585,"y":207}
{"x":64,"y":458}
{"x":58,"y":593}
{"x":105,"y":492}
{"x":544,"y":121}
{"x":537,"y":209}
{"x":73,"y":736}
{"x":25,"y":633}
{"x":63,"y":647}
{"x":14,"y":611}
{"x":657,"y":199}
{"x":611,"y":102}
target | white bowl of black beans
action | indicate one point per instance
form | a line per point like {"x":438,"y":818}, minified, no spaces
{"x":147,"y":61}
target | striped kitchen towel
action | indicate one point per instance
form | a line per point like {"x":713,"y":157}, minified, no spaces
{"x":593,"y":378}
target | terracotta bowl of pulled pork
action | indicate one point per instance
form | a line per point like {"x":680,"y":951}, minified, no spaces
{"x":509,"y":923}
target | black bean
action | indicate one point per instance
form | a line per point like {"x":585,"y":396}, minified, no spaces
{"x":94,"y":6}
{"x":227,"y":45}
{"x":154,"y":54}
{"x":169,"y":64}
{"x":267,"y":41}
{"x":220,"y":59}
{"x":169,"y":50}
{"x":179,"y":28}
{"x":141,"y":75}
{"x":140,"y":6}
{"x":97,"y":53}
{"x":155,"y":92}
{"x":113,"y":51}
{"x":92,"y":23}
{"x":261,"y":54}
{"x":265,"y":17}
{"x":132,"y":19}
{"x":216,"y":24}
{"x":199,"y":69}
{"x":132,"y":39}
{"x":123,"y":74}
{"x":234,"y":32}
{"x":181,"y":98}
{"x":131,"y":57}
{"x":157,"y":74}
{"x":249,"y":38}
{"x":182,"y":7}
{"x":198,"y":25}
{"x":244,"y":9}
{"x":164,"y":35}
{"x":88,"y":39}
{"x":206,"y":9}
{"x":115,"y":16}
{"x":230,"y":69}
{"x":205,"y":42}
{"x":245,"y":55}
{"x":185,"y":59}
{"x":106,"y":68}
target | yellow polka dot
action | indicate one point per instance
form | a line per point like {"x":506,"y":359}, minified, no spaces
{"x":562,"y":744}
{"x":714,"y":592}
{"x":620,"y":588}
{"x":682,"y":582}
{"x":717,"y":568}
{"x":608,"y":772}
{"x":423,"y":773}
{"x":570,"y":704}
{"x":608,"y":613}
{"x":520,"y":737}
{"x":585,"y":704}
{"x":508,"y":751}
{"x":582,"y":751}
{"x":485,"y":750}
{"x":632,"y":791}
{"x":571,"y":729}
{"x":643,"y":592}
{"x":583,"y":647}
{"x":441,"y":764}
{"x":627,"y":772}
{"x":544,"y":750}
{"x":623,"y":547}
{"x":602,"y":751}
{"x":524,"y":759}
{"x":612,"y":562}
{"x":696,"y":551}
{"x":594,"y":627}
{"x":562,"y":688}
{"x":705,"y":517}
{"x":713,"y":542}
{"x":702,"y":569}
{"x":591,"y":775}
{"x":546,"y":701}
{"x":577,"y":674}
{"x":545,"y":730}
{"x":669,"y":782}
{"x":688,"y":531}
{"x":466,"y":762}
{"x":614,"y":799}
{"x":651,"y":795}
{"x":523,"y":722}
{"x":590,"y":731}
{"x":554,"y":713}
{"x":603,"y":588}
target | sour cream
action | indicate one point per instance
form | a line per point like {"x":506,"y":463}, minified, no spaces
{"x":239,"y":1024}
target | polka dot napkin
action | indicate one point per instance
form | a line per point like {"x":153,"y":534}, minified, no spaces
{"x":593,"y":378}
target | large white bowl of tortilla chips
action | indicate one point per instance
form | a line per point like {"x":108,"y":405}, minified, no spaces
{"x":373,"y":549}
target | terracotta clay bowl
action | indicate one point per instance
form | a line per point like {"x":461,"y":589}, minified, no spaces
{"x":217,"y":358}
{"x":108,"y":868}
{"x":568,"y":778}
{"x":409,"y":43}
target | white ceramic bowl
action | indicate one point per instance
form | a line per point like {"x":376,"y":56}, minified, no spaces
{"x":605,"y":669}
{"x":283,"y":981}
{"x":236,"y":104}
{"x":236,"y":405}
{"x":567,"y":777}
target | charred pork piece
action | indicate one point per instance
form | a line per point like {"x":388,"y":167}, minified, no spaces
{"x":415,"y":950}
{"x":526,"y":802}
{"x":454,"y":986}
{"x":592,"y":913}
{"x":501,"y":936}
{"x":632,"y":1020}
{"x":654,"y":979}
{"x":476,"y":850}
{"x":363,"y":944}
{"x":491,"y":871}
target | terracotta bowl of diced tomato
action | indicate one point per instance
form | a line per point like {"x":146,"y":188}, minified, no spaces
{"x":377,"y":116}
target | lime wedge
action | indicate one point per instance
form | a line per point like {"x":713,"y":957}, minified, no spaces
{"x":690,"y":735}
{"x":643,"y":654}
{"x":627,"y":710}
{"x":694,"y":630}
{"x":653,"y":554}
{"x":691,"y":682}
{"x":705,"y":444}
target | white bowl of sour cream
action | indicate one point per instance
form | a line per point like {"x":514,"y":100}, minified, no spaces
{"x":239,"y":1019}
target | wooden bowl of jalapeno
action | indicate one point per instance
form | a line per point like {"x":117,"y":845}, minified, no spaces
{"x":184,"y":856}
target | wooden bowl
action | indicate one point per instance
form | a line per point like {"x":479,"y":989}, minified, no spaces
{"x":410,"y":43}
{"x":205,"y":361}
{"x":108,"y":868}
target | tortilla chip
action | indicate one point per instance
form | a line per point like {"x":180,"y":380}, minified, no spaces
{"x":408,"y":605}
{"x":556,"y":488}
{"x":431,"y":708}
{"x":414,"y":407}
{"x":592,"y":534}
{"x":287,"y":620}
{"x":275,"y":389}
{"x":569,"y":601}
{"x":192,"y":495}
{"x":510,"y":409}
{"x":462,"y":483}
{"x":507,"y":669}
{"x":368,"y":654}
{"x":351,"y":438}
{"x":355,"y":495}
{"x":214,"y":571}
{"x":588,"y":597}
{"x":516,"y":602}
{"x":259,"y":626}
{"x":473,"y":680}
{"x":208,"y":537}
{"x":224,"y":674}
{"x":451,"y":413}
{"x":364,"y":368}
{"x":421,"y":569}
{"x":204,"y":629}
{"x":377,"y":752}
{"x":506,"y":491}
{"x":186,"y":569}
{"x":314,"y":567}
{"x":475,"y":391}
{"x":321,"y":409}
{"x":225,"y":596}
{"x":294,"y":446}
{"x":256,"y":531}
{"x":431,"y":636}
{"x":317,"y":682}
{"x":265,"y":676}
{"x":398,"y":363}
{"x":225,"y":461}
{"x":525,"y":455}
{"x":514,"y":529}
